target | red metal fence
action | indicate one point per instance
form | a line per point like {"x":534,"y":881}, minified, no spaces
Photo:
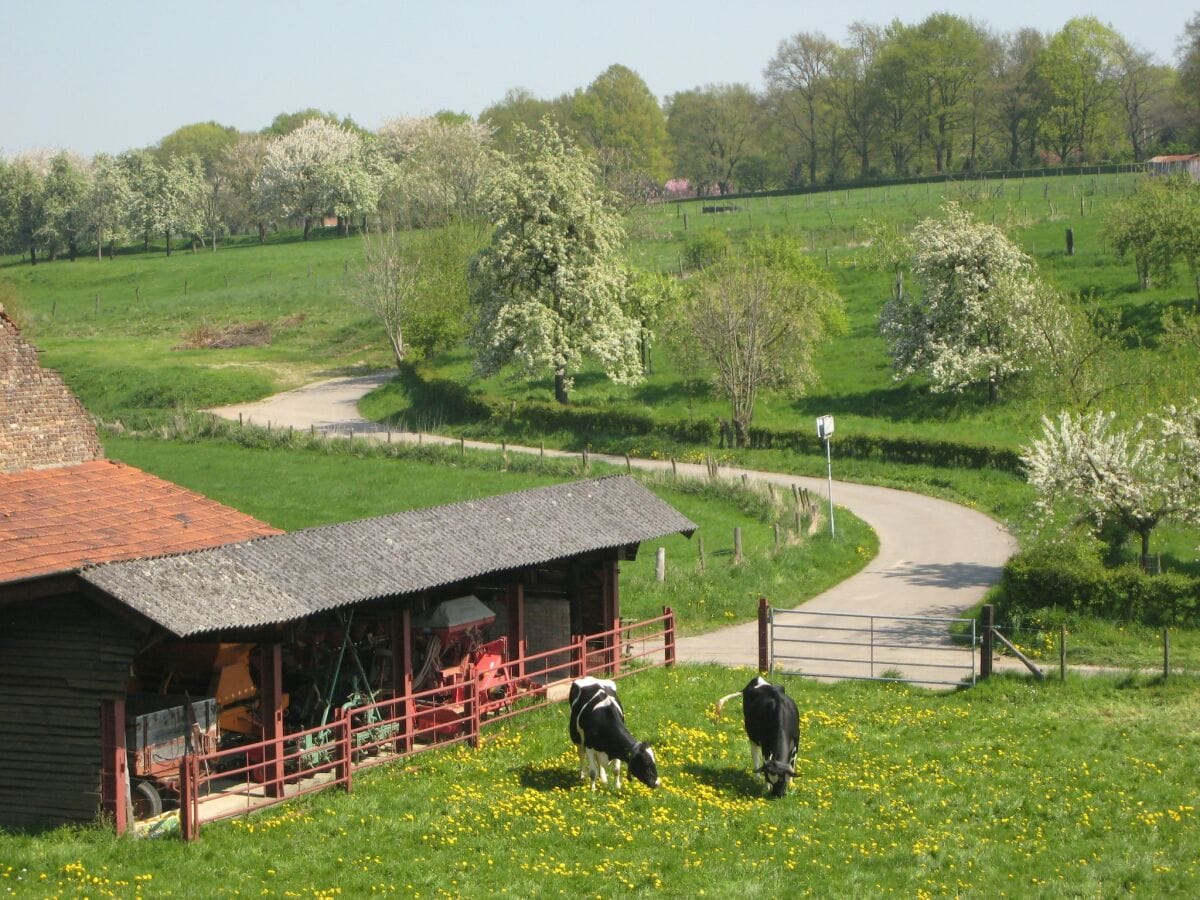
{"x":237,"y":780}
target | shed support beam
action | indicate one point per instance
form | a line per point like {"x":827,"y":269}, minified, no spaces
{"x":272,"y":717}
{"x":114,"y":773}
{"x":516,"y":626}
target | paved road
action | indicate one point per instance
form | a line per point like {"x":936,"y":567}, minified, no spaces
{"x":936,"y":559}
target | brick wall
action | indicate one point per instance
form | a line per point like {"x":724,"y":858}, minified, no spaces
{"x":42,"y":424}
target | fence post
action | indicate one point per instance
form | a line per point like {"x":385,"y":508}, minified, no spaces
{"x":660,"y":565}
{"x":346,"y":751}
{"x":1062,"y":652}
{"x":764,"y":654}
{"x":737,"y":545}
{"x":188,"y":829}
{"x":473,"y":701}
{"x":669,"y":637}
{"x":1166,"y":653}
{"x":579,"y":642}
{"x":988,"y":615}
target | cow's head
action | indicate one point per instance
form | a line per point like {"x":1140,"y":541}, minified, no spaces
{"x":642,"y":765}
{"x":777,"y":775}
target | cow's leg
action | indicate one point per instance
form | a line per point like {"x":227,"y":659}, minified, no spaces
{"x":756,"y":763}
{"x":616,"y":764}
{"x":602,"y":766}
{"x":583,"y":765}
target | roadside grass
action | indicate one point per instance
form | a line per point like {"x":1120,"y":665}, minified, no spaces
{"x":1011,"y":788}
{"x":333,"y":481}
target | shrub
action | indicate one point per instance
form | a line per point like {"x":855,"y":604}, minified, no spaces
{"x":1072,"y":577}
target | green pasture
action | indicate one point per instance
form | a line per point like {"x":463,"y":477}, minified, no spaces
{"x":300,"y":488}
{"x":1011,"y":789}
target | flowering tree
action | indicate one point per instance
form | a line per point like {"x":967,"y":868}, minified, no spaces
{"x":318,"y":168}
{"x":108,"y":201}
{"x":550,"y":288}
{"x":1089,"y":471}
{"x":439,"y":168}
{"x":758,"y":318}
{"x":979,"y":302}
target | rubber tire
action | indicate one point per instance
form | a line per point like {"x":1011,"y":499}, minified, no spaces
{"x":147,"y":802}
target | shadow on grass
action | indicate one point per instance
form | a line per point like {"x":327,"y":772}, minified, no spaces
{"x":540,"y":779}
{"x":905,"y":402}
{"x":726,"y":780}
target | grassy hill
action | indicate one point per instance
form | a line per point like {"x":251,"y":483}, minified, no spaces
{"x":143,"y":336}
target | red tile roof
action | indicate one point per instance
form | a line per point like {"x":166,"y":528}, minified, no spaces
{"x":59,"y":519}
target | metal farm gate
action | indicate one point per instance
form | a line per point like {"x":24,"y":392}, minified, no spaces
{"x":927,"y":650}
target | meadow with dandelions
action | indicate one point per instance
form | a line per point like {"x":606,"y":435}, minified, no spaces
{"x":1012,"y":788}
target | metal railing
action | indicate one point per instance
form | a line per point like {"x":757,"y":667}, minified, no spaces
{"x":234,"y":781}
{"x":929,"y":650}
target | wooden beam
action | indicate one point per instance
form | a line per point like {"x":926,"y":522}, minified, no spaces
{"x":271,"y":705}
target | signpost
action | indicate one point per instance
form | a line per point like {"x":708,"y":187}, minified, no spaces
{"x":825,"y":432}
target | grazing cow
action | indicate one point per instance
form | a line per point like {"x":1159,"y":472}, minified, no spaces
{"x":773,"y":726}
{"x":598,"y":728}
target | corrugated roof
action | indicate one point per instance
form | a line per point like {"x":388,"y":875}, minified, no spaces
{"x":290,"y":576}
{"x":61,"y":519}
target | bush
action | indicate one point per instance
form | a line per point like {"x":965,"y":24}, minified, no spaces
{"x":705,"y":248}
{"x":1072,"y":577}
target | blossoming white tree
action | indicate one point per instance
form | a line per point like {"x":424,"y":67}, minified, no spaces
{"x":549,"y":289}
{"x":1087,"y":470}
{"x":981,"y":314}
{"x":318,"y":168}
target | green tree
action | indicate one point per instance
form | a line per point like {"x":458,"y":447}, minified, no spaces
{"x":22,"y":204}
{"x":1079,"y":77}
{"x":108,"y":203}
{"x":799,"y":92}
{"x":758,"y":318}
{"x":1188,"y":50}
{"x":1017,"y":99}
{"x":712,"y":128}
{"x":1139,"y":226}
{"x":548,"y":290}
{"x":519,"y":108}
{"x":619,"y":118}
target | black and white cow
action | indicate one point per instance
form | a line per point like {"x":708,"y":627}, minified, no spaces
{"x":598,"y":728}
{"x":773,"y":726}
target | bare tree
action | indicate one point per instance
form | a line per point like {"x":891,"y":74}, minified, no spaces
{"x":388,"y":286}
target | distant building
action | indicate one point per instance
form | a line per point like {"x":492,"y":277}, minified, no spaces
{"x":1173,"y":163}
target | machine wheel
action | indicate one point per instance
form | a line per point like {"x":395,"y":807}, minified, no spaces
{"x":147,"y":802}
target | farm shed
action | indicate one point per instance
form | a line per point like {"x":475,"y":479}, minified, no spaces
{"x":1174,"y":163}
{"x":259,"y":620}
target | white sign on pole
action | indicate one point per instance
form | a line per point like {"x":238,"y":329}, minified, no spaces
{"x":825,"y":432}
{"x":824,"y":427}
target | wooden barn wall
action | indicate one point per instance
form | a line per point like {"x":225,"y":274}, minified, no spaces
{"x":59,"y":658}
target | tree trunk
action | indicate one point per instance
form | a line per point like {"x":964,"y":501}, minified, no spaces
{"x":741,"y":432}
{"x":993,"y":388}
{"x":1144,"y":562}
{"x":560,"y":387}
{"x":262,"y":233}
{"x":307,"y":226}
{"x":99,"y":244}
{"x":72,"y":250}
{"x":32,"y":255}
{"x":168,"y":235}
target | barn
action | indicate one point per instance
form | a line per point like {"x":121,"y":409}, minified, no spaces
{"x":1175,"y":163}
{"x":137,"y":617}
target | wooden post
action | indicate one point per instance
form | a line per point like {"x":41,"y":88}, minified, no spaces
{"x":660,"y":565}
{"x":271,"y":694}
{"x":189,"y":829}
{"x":114,"y":770}
{"x":764,"y":651}
{"x":988,"y":627}
{"x":737,"y":545}
{"x":1062,"y":652}
{"x":514,"y":601}
{"x":674,"y":470}
{"x":462,"y":446}
{"x":700,"y":549}
{"x":1166,"y":653}
{"x":775,"y":528}
{"x":628,"y":465}
{"x":345,"y":768}
{"x":402,"y":685}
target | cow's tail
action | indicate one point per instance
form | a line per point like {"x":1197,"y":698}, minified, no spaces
{"x":721,"y":703}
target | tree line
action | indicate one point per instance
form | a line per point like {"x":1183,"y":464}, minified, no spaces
{"x":945,"y":95}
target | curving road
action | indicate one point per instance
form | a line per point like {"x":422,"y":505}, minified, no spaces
{"x":936,"y":559}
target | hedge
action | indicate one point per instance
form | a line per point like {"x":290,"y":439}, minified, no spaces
{"x":1072,"y":579}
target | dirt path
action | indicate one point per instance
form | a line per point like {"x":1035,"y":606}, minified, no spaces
{"x":935,"y":558}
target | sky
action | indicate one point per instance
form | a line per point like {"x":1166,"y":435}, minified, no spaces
{"x":105,"y":77}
